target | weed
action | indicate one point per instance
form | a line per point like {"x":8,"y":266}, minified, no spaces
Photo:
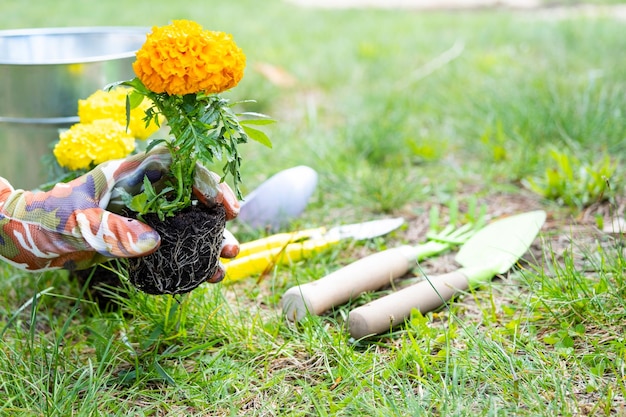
{"x":574,"y":183}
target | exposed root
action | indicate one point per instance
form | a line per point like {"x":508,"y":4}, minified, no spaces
{"x":189,"y":254}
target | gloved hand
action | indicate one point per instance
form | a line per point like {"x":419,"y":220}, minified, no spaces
{"x":74,"y":225}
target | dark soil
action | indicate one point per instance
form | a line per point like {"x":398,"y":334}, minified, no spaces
{"x":191,"y":243}
{"x":188,"y":256}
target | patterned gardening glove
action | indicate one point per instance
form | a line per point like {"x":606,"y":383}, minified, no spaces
{"x":74,"y":225}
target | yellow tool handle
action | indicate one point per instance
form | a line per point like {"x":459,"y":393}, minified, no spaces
{"x":259,"y":262}
{"x":278,"y":240}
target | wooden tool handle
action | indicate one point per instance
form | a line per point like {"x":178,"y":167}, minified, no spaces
{"x":386,"y":312}
{"x":367,"y":274}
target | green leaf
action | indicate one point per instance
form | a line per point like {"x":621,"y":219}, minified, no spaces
{"x":258,"y":136}
{"x":138,"y":202}
{"x":125,"y":196}
{"x":127,"y":112}
{"x":551,"y":339}
{"x":567,"y":342}
{"x":184,"y":353}
{"x":163,"y":374}
{"x":257,"y":121}
{"x":154,"y":143}
{"x":135,"y":99}
{"x":112,"y":85}
{"x":135,"y":83}
{"x":255,"y":115}
{"x":126,"y":377}
{"x":203,"y":128}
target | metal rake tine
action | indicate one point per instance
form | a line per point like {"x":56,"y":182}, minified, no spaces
{"x":433,"y":234}
{"x":451,"y":240}
{"x":433,"y":219}
{"x":481,"y":220}
{"x":446,"y":231}
{"x":463,"y":232}
{"x":477,"y":214}
{"x":448,"y":235}
{"x":453,"y":211}
{"x":452,"y":235}
{"x":468,"y":229}
{"x":467,"y":233}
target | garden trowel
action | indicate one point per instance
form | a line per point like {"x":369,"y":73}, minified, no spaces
{"x":492,"y":250}
{"x":279,"y":199}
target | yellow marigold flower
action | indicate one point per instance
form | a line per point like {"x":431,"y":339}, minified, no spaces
{"x":182,"y":58}
{"x":87,"y":144}
{"x":112,"y":105}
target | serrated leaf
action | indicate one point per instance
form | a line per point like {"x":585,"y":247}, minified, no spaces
{"x":148,"y":188}
{"x":138,"y":202}
{"x":258,"y":136}
{"x":125,"y":196}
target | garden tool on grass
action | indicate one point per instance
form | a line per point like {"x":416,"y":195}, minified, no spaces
{"x":492,"y":250}
{"x":278,"y":200}
{"x":260,"y":255}
{"x":367,"y":274}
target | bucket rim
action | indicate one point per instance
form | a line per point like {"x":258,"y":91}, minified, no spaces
{"x":40,"y":120}
{"x":54,"y":31}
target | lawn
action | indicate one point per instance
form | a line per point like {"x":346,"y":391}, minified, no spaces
{"x":399,"y":112}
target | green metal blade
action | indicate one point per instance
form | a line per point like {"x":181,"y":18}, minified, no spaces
{"x":498,"y":246}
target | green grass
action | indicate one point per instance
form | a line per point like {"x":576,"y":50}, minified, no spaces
{"x":398,"y":112}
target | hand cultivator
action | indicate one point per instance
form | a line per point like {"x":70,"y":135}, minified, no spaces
{"x":492,"y":250}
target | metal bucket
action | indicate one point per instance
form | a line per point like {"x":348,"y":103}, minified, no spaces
{"x":43,"y":74}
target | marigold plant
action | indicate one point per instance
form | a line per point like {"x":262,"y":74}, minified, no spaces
{"x":85,"y":145}
{"x":181,"y":68}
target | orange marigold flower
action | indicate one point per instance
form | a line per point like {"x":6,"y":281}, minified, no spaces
{"x":182,"y":58}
